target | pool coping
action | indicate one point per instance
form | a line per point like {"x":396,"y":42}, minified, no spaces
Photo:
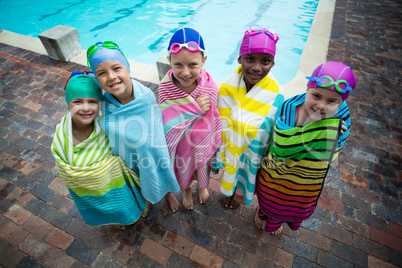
{"x":316,"y":48}
{"x":314,"y":52}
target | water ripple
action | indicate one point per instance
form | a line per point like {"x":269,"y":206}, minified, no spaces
{"x":261,"y":9}
{"x":126,"y":13}
{"x":60,"y":10}
{"x":189,"y":17}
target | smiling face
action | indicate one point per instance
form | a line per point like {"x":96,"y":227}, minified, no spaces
{"x":255,"y":67}
{"x":186,"y":68}
{"x":320,"y":103}
{"x":84,"y":111}
{"x":114,"y":78}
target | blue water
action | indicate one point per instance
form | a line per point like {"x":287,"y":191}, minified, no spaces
{"x":143,"y":28}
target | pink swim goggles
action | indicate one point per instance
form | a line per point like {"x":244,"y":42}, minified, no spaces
{"x":257,"y":30}
{"x":190,"y":46}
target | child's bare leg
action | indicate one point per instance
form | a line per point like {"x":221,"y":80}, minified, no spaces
{"x":203,"y":195}
{"x":260,"y":224}
{"x":229,"y":201}
{"x":172,"y":201}
{"x":188,"y":199}
{"x":146,"y":211}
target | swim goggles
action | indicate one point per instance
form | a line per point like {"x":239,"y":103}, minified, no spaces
{"x":77,"y":73}
{"x":107,"y":44}
{"x":190,"y":46}
{"x":342,"y":86}
{"x":258,"y":30}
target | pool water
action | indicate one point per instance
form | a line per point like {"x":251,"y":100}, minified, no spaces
{"x":143,"y":28}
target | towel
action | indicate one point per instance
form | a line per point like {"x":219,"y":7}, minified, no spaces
{"x":247,"y":122}
{"x":135,"y":131}
{"x":103,"y":188}
{"x":293,"y":171}
{"x":193,"y":136}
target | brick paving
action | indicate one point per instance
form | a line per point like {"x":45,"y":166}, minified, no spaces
{"x":358,"y":221}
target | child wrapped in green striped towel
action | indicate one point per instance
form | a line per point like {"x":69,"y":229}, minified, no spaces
{"x":102,"y":186}
{"x":310,"y":130}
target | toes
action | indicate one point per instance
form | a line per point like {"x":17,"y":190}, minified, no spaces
{"x":225,"y":201}
{"x":279,"y":231}
{"x":234,"y":204}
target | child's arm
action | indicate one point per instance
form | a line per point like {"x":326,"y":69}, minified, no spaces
{"x":204,"y":102}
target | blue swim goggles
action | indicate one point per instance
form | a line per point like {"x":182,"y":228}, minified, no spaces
{"x":77,"y":73}
{"x":342,"y":86}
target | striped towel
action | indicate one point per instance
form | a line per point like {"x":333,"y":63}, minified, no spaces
{"x":103,"y":188}
{"x":247,"y":121}
{"x":293,"y":171}
{"x":135,"y":131}
{"x":192,"y":136}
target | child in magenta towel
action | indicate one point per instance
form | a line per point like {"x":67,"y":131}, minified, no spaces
{"x":310,"y":130}
{"x":188,"y":99}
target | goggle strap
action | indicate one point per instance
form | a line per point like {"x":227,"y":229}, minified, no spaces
{"x":272,"y":34}
{"x":344,"y":69}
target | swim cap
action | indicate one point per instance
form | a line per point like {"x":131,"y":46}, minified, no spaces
{"x":105,"y":51}
{"x":337,"y":71}
{"x":82,"y":86}
{"x":185,"y":35}
{"x":259,"y":40}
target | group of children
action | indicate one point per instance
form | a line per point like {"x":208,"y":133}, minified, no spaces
{"x":137,"y":151}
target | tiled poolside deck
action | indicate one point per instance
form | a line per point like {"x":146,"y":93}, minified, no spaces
{"x":358,"y":222}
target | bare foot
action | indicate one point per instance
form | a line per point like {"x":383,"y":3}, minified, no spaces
{"x":260,"y":224}
{"x":146,"y":211}
{"x":279,"y":231}
{"x":188,"y":199}
{"x":172,"y":201}
{"x":229,"y":202}
{"x":203,"y":195}
{"x":225,"y":201}
{"x":234,"y":204}
{"x":119,"y":227}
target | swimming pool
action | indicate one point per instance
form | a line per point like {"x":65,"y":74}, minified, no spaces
{"x":143,"y":28}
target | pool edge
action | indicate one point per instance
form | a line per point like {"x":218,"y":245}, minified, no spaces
{"x":314,"y":52}
{"x":141,"y":71}
{"x":316,"y":48}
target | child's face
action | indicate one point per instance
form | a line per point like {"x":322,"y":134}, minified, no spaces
{"x":186,"y":68}
{"x":114,"y":78}
{"x":255,"y":67}
{"x":84,"y":110}
{"x":321,"y":103}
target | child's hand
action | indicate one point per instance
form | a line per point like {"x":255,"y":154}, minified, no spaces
{"x":344,"y":128}
{"x":204,"y":102}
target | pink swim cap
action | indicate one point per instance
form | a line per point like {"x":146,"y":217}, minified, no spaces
{"x":339,"y":72}
{"x":259,"y":40}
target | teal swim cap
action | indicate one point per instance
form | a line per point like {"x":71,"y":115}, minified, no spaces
{"x":82,"y":86}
